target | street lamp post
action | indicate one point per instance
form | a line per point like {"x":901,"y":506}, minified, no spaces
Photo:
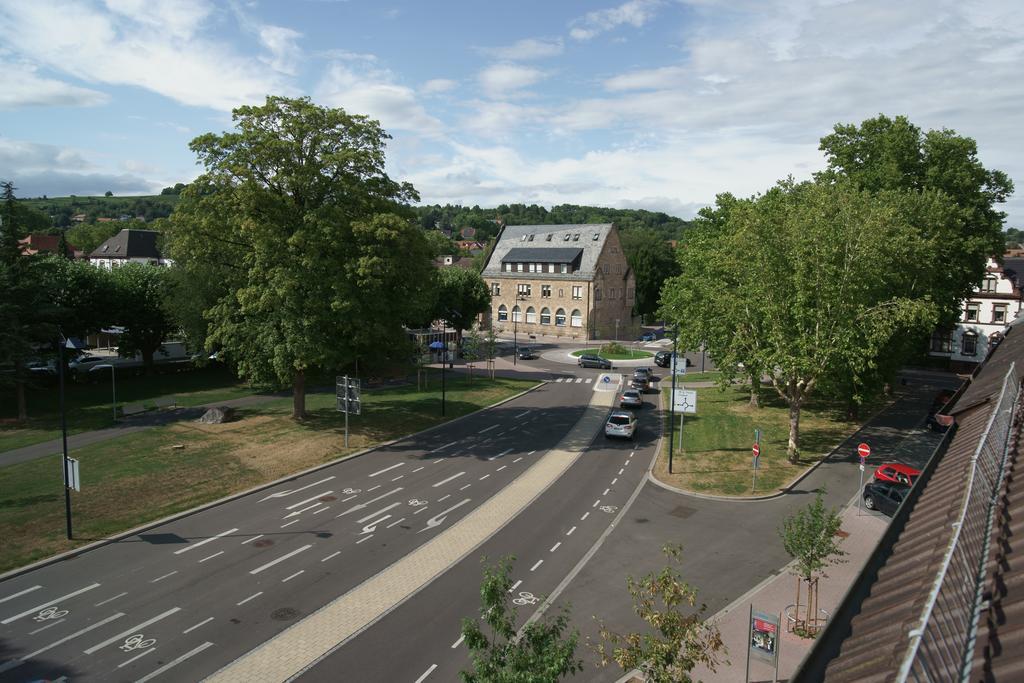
{"x":672,"y":400}
{"x":515,"y":328}
{"x":61,"y":341}
{"x":113,"y":384}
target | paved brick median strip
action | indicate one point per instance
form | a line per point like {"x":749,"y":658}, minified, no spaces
{"x":304,"y":643}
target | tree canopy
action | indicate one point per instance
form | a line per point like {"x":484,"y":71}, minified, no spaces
{"x":653,"y":262}
{"x":138,"y":306}
{"x":310,"y":239}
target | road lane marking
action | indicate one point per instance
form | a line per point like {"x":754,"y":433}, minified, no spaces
{"x":596,"y":503}
{"x":119,"y":595}
{"x":517,"y":459}
{"x":585,"y":515}
{"x":515,"y":585}
{"x":458,"y":642}
{"x":421,"y":467}
{"x":386,"y":469}
{"x":281,"y":494}
{"x":138,"y":656}
{"x":210,"y":557}
{"x":294,"y":521}
{"x":465,"y":487}
{"x":326,"y":507}
{"x":372,"y":526}
{"x":270,"y":564}
{"x":308,"y":507}
{"x":250,"y":540}
{"x":18,"y":662}
{"x":301,"y":571}
{"x":426,"y":673}
{"x":441,"y":460}
{"x":334,"y":554}
{"x":201,"y":623}
{"x":614,"y":480}
{"x":484,"y":477}
{"x":161,"y":578}
{"x":48,"y":604}
{"x":632,"y":453}
{"x":487,"y":429}
{"x":251,"y":597}
{"x":20,"y":593}
{"x":578,"y":380}
{"x":444,"y":498}
{"x":398,"y":477}
{"x":174,"y":662}
{"x":500,"y":455}
{"x":134,"y":629}
{"x":378,"y":512}
{"x":555,"y":547}
{"x":43,"y":628}
{"x":606,"y":492}
{"x":451,"y":478}
{"x":531,"y":452}
{"x":441,"y":448}
{"x":522,"y":414}
{"x":364,"y":538}
{"x":363,"y":506}
{"x":345,"y":500}
{"x":211,"y":539}
{"x":439,"y":518}
{"x":589,"y":380}
{"x":397,"y":521}
{"x":373,"y":488}
{"x":501,"y":468}
{"x":621,"y":471}
{"x":534,"y":567}
{"x":569,"y":532}
{"x":425,"y":507}
{"x":309,"y":500}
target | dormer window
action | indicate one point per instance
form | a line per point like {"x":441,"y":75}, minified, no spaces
{"x":550,"y":235}
{"x":567,"y":236}
{"x":531,"y":239}
{"x":597,"y":236}
{"x":576,"y":237}
{"x":523,"y":238}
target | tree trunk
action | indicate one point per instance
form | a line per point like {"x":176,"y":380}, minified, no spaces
{"x":755,"y":390}
{"x":792,"y":448}
{"x":299,"y":395}
{"x":22,"y":403}
{"x":147,"y":362}
{"x":796,"y":608}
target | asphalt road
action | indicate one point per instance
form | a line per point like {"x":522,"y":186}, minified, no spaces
{"x":183,"y":599}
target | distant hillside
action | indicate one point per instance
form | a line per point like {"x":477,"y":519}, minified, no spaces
{"x":61,"y":209}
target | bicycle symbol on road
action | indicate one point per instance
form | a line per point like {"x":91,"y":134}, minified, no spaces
{"x":137,"y":642}
{"x":348,"y":492}
{"x":50,"y":613}
{"x":608,"y":508}
{"x":526,"y":598}
{"x":415,"y":502}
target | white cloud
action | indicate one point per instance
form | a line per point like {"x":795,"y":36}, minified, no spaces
{"x":648,"y":79}
{"x":372,"y":92}
{"x":525,"y":49}
{"x":156,"y":46}
{"x":437,"y":85}
{"x":19,"y":156}
{"x":282,"y":44}
{"x":21,"y":86}
{"x":504,"y":80}
{"x":635,"y":13}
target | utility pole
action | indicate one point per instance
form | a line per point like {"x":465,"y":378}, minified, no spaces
{"x":672,"y":399}
{"x":61,"y":341}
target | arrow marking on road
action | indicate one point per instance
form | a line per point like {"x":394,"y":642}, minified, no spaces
{"x":378,"y":512}
{"x":308,"y":500}
{"x":281,"y":494}
{"x":439,"y":518}
{"x":361,"y":506}
{"x":299,"y":512}
{"x":372,"y":526}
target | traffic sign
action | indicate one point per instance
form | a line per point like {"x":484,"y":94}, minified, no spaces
{"x":863,"y":450}
{"x":686,"y":400}
{"x":756,"y":450}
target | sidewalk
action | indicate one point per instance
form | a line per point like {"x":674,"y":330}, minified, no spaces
{"x":776,"y":593}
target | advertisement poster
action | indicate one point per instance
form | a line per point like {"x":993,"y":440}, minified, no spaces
{"x":764,"y":636}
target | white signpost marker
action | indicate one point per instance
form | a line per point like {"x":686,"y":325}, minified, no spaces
{"x":685,"y":401}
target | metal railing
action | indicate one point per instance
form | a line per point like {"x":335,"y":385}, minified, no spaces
{"x":941,"y":645}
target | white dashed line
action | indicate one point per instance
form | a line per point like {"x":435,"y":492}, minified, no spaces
{"x":515,"y":585}
{"x":398,"y":477}
{"x":606,"y":492}
{"x":596,"y":503}
{"x":174,"y":662}
{"x":420,"y":510}
{"x":487,"y":429}
{"x":517,"y":459}
{"x":445,"y":481}
{"x":555,"y":547}
{"x":614,"y":480}
{"x":522,"y":414}
{"x":326,"y":507}
{"x":294,"y":521}
{"x":309,"y":500}
{"x":465,"y":487}
{"x":210,"y":557}
{"x":373,"y":488}
{"x":270,"y":564}
{"x":20,"y":593}
{"x":534,"y":567}
{"x":621,"y":471}
{"x":501,"y":455}
{"x":501,"y":468}
{"x":426,"y":673}
{"x":531,"y":452}
{"x":421,"y":467}
{"x":585,"y":515}
{"x":396,"y":522}
{"x":43,"y":628}
{"x":281,"y":494}
{"x":386,"y":469}
{"x":569,"y":532}
{"x":441,"y":448}
{"x":458,"y":642}
{"x":301,"y":571}
{"x":250,"y":540}
{"x":444,"y":498}
{"x":334,"y":554}
{"x":193,"y":628}
{"x":345,"y":500}
{"x":161,"y":578}
{"x":134,"y":629}
{"x":204,"y":542}
{"x":364,"y":538}
{"x":484,"y":477}
{"x":138,"y":656}
{"x":119,"y":595}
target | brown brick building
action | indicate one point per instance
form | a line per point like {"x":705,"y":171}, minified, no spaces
{"x":564,"y":280}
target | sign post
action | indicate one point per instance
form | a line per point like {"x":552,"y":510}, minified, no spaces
{"x":757,"y":463}
{"x":863,"y":451}
{"x":685,"y":401}
{"x":347,"y":392}
{"x":763,"y":640}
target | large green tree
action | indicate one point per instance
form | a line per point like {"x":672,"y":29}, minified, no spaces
{"x":462,"y":295}
{"x":652,"y":260}
{"x":808,"y":281}
{"x":319,"y":259}
{"x":139,"y":294}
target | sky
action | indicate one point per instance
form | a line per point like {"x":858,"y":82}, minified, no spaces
{"x":650,"y":104}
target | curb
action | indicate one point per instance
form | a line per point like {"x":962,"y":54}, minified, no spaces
{"x":68,"y":554}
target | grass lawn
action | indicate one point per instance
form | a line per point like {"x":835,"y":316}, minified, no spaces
{"x":629,"y":355}
{"x":698,"y":377}
{"x":89,"y":405}
{"x":715,"y":457}
{"x":160,"y":471}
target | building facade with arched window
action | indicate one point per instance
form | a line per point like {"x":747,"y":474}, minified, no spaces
{"x":561,"y":280}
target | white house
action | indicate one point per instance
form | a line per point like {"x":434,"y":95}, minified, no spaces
{"x":129,"y":246}
{"x":988,"y":311}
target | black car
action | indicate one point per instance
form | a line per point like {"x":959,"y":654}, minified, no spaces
{"x":640,"y":383}
{"x":588,"y":361}
{"x":526,"y":353}
{"x":886,"y":497}
{"x":663,"y":359}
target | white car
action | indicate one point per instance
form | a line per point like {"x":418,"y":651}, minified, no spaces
{"x":621,"y":424}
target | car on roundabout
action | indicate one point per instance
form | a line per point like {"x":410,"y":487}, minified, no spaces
{"x":526,"y":353}
{"x":648,"y":337}
{"x":885,"y":497}
{"x":663,"y":359}
{"x":621,"y":424}
{"x":590,"y":361}
{"x":631,"y":398}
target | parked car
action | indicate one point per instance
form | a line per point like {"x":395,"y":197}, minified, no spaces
{"x":588,"y":361}
{"x":631,"y":398}
{"x":621,"y":424}
{"x":897,"y":474}
{"x":526,"y":353}
{"x":886,"y":497}
{"x":940,"y":400}
{"x":42,"y":368}
{"x":648,"y":337}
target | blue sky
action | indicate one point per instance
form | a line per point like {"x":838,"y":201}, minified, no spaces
{"x":656,"y":104}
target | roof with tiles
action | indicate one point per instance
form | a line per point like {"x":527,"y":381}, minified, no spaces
{"x":129,"y":244}
{"x":590,"y":238}
{"x":877,"y":636}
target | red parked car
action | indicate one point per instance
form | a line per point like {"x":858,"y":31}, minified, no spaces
{"x":897,"y":474}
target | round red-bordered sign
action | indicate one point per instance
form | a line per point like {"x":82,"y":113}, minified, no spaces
{"x":756,"y":450}
{"x":863,"y":450}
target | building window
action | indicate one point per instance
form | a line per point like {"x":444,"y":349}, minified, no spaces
{"x":629,"y":294}
{"x":550,"y":235}
{"x":971,"y":315}
{"x":516,"y":314}
{"x":576,"y":237}
{"x":533,"y":267}
{"x":597,"y":294}
{"x":545,"y":316}
{"x":576,"y":320}
{"x":999,"y":313}
{"x":942,"y":341}
{"x":545,"y":291}
{"x":563,"y":268}
{"x":523,"y":290}
{"x":970,"y":344}
{"x":531,"y":315}
{"x":561,"y":293}
{"x":502,"y":313}
{"x":560,"y":317}
{"x":495,"y":289}
{"x":988,"y":285}
{"x":521,"y":267}
{"x":577,"y":292}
